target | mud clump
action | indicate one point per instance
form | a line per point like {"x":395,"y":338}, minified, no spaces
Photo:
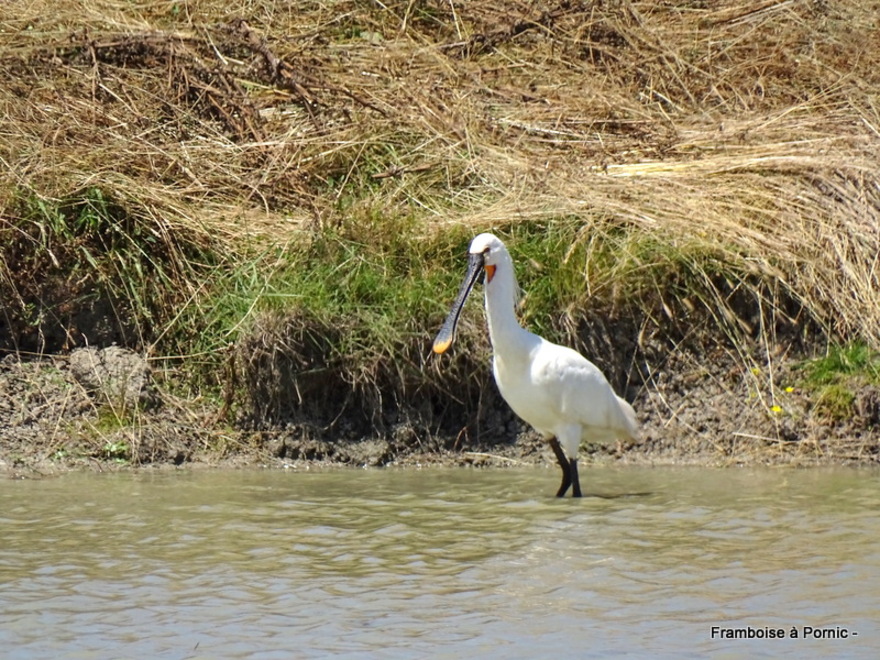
{"x":95,"y":408}
{"x":113,"y":374}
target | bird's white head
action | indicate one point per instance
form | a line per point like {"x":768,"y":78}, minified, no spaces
{"x":485,"y":254}
{"x":493,"y":253}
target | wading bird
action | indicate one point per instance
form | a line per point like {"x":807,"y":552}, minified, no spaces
{"x":555,"y":389}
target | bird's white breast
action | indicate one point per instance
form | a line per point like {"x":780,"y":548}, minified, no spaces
{"x":525,"y":399}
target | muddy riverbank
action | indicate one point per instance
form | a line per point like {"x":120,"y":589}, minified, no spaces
{"x":103,"y":410}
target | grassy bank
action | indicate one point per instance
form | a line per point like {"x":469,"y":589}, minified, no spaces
{"x":272,"y":201}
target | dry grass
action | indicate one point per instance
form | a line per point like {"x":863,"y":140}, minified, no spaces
{"x":753,"y":124}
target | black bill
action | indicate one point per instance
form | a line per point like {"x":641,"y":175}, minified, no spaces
{"x":445,"y":337}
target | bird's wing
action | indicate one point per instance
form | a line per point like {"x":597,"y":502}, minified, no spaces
{"x":581,"y":390}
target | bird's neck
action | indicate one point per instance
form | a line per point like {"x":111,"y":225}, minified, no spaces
{"x":505,"y":332}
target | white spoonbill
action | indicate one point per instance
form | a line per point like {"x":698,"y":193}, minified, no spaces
{"x":558,"y":391}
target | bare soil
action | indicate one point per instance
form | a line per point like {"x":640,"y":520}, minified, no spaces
{"x":704,"y":409}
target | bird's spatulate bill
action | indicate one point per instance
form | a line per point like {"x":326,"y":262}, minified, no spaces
{"x":445,"y":337}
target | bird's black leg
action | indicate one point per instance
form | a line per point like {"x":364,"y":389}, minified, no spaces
{"x":573,"y":474}
{"x":566,"y":468}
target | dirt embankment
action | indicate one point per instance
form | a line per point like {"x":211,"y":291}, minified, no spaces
{"x":99,"y":409}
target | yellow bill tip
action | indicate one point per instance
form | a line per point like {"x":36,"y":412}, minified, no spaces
{"x":442,"y":345}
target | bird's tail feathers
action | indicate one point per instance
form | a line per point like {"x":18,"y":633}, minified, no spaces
{"x":630,"y":422}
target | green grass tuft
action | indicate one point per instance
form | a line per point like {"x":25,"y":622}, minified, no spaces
{"x":836,"y":377}
{"x":854,"y":360}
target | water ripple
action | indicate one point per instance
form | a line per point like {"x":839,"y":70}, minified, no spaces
{"x":446,"y":563}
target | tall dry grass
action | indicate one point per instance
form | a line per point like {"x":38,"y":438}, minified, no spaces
{"x":750,"y":128}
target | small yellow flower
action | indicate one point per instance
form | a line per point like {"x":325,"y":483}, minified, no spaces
{"x":756,"y":371}
{"x":789,"y":389}
{"x":776,"y":409}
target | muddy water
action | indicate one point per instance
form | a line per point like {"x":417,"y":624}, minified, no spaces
{"x":441,"y":563}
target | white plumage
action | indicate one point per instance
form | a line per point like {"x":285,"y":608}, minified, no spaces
{"x":555,"y":389}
